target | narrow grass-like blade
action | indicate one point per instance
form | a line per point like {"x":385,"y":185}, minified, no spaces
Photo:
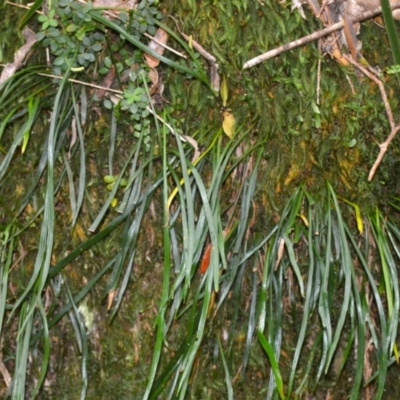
{"x":293,"y":263}
{"x":30,"y":13}
{"x":391,"y":30}
{"x":77,"y":298}
{"x":309,"y":364}
{"x":251,"y":327}
{"x":96,"y":16}
{"x":22,"y":353}
{"x":347,"y":267}
{"x":43,"y":259}
{"x":81,"y":338}
{"x":228,"y":379}
{"x":19,"y":137}
{"x":6,"y":258}
{"x":307,"y":304}
{"x":160,"y":322}
{"x":274,"y":364}
{"x":378,"y":342}
{"x":82,"y":163}
{"x":129,"y":245}
{"x":106,"y":206}
{"x":72,"y":196}
{"x":113,"y":135}
{"x":46,"y":349}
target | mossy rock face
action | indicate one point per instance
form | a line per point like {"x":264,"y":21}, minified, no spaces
{"x":291,"y":238}
{"x":313,"y":127}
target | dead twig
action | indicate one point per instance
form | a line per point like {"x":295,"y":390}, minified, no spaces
{"x":20,"y":56}
{"x":92,"y":85}
{"x":215,"y":79}
{"x":393,"y":127}
{"x":21,"y":6}
{"x":314,"y":36}
{"x":383,"y":148}
{"x":164,"y":45}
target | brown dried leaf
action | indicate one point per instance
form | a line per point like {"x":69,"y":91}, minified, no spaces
{"x":156,"y":44}
{"x":110,"y":299}
{"x":153,"y":76}
{"x":280,"y":253}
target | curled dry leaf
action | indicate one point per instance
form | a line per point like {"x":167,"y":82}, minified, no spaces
{"x":157,"y":44}
{"x":195,"y":145}
{"x":153,"y":76}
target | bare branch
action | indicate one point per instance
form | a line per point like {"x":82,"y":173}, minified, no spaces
{"x":20,"y":56}
{"x":314,"y":36}
{"x":380,"y":85}
{"x":382,"y":150}
{"x":393,"y":127}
